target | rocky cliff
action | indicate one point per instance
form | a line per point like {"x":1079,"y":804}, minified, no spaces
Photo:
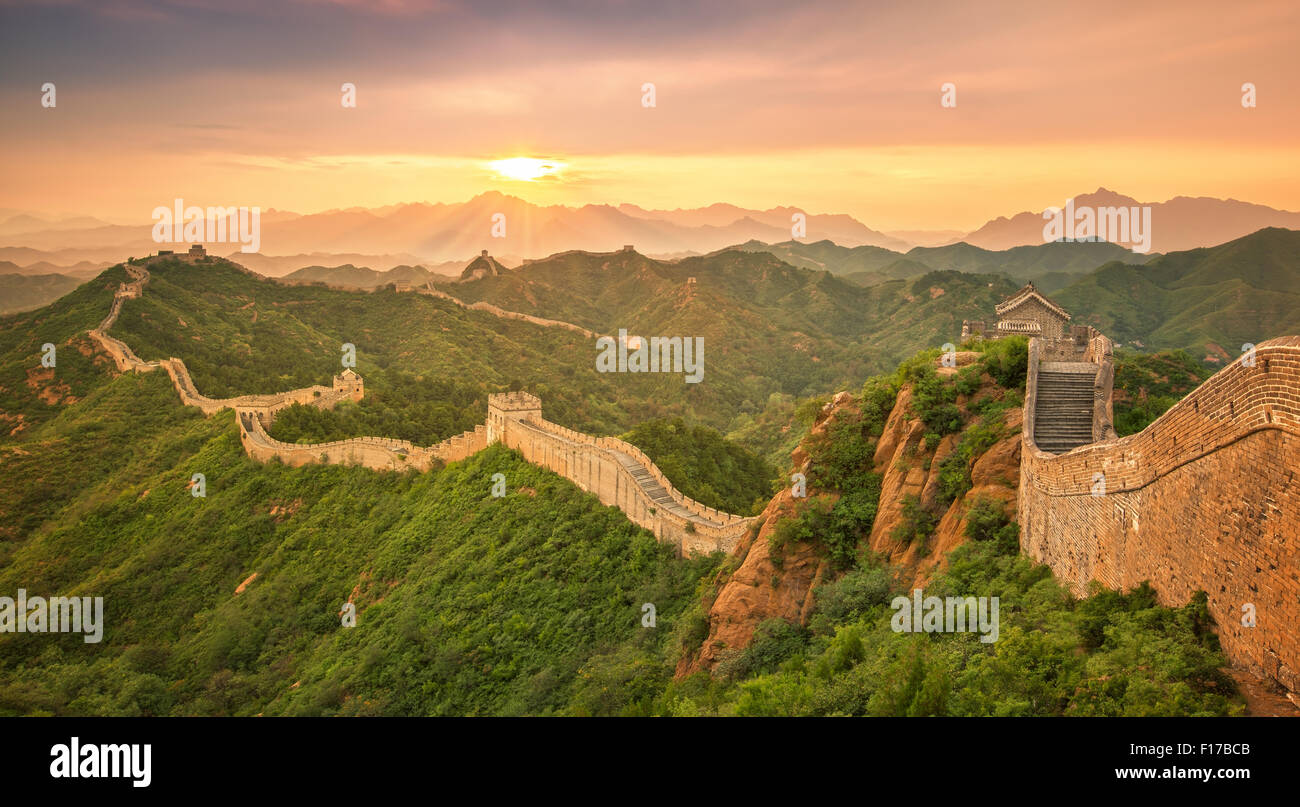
{"x":757,"y":586}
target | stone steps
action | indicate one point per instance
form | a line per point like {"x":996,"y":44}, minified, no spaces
{"x":653,"y":489}
{"x":1063,"y":411}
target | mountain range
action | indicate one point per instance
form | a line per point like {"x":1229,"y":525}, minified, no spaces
{"x":434,"y":233}
{"x":1180,"y":223}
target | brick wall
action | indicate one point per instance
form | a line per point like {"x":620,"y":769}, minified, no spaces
{"x":592,"y":463}
{"x":1205,"y":498}
{"x":514,"y":418}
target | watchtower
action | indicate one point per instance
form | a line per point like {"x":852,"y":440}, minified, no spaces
{"x":348,"y":384}
{"x":506,"y":406}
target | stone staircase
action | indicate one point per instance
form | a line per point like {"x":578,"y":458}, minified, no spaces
{"x":661,"y":497}
{"x":1063,"y":412}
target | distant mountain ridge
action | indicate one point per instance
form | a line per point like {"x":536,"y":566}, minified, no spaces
{"x":425,"y":233}
{"x":1208,"y":301}
{"x":1050,"y":266}
{"x":361,"y":277}
{"x":1178,"y":224}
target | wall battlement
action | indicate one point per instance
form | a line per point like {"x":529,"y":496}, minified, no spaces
{"x":1206,"y":498}
{"x":617,"y":472}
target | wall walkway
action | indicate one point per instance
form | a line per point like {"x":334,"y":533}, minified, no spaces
{"x":1205,"y":498}
{"x":618,"y":473}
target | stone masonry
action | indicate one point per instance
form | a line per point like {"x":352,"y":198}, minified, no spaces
{"x":1205,"y":498}
{"x":617,"y":472}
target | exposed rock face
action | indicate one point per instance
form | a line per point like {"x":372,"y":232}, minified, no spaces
{"x":758,"y":590}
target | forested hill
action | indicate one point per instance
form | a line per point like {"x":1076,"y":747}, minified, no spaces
{"x":1207,"y":301}
{"x":769,"y":329}
{"x":813,"y":330}
{"x":470,"y":604}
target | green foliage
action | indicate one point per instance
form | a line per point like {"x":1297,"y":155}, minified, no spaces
{"x":705,"y":466}
{"x":1147,"y":384}
{"x":987,"y":520}
{"x":466,"y":604}
{"x":774,"y":642}
{"x":529,"y":604}
{"x":968,"y":379}
{"x":840,"y":459}
{"x":955,"y":468}
{"x":407,"y":407}
{"x":855,"y":594}
{"x":31,"y":394}
{"x":934,"y":400}
{"x":1110,"y":654}
{"x":917,"y":522}
{"x":1006,"y":361}
{"x":774,"y":431}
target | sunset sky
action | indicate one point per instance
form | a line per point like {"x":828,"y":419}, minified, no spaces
{"x":832,"y":107}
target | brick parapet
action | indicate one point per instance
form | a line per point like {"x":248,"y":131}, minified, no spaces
{"x":1205,"y":498}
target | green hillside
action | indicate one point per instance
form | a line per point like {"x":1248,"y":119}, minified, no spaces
{"x":1147,"y":384}
{"x":1208,"y":302}
{"x":1050,"y":266}
{"x":716,"y":472}
{"x":811,"y":332}
{"x":31,"y":394}
{"x":470,"y":604}
{"x":24,"y":292}
{"x":533,"y":603}
{"x":360,"y":276}
{"x":428,"y":364}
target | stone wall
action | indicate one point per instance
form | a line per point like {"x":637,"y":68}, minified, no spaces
{"x":497,"y":311}
{"x":600,"y":465}
{"x":605,"y":466}
{"x":376,"y":453}
{"x":1205,"y":498}
{"x":263,"y":405}
{"x":123,"y":357}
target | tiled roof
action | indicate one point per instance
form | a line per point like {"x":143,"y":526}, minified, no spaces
{"x":1026,"y":293}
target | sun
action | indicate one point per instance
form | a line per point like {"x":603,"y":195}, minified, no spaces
{"x":526,"y":169}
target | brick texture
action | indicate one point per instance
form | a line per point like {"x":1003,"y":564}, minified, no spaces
{"x":1205,"y":498}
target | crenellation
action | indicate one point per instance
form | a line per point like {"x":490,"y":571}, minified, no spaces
{"x":1230,"y":441}
{"x":1201,"y":493}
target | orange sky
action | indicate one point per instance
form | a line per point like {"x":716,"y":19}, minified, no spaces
{"x":831,"y":107}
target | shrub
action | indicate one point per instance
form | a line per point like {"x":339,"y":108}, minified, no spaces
{"x":987,"y":521}
{"x":968,"y":379}
{"x":1006,"y":360}
{"x":917,"y":523}
{"x":934,"y":401}
{"x":854,"y":594}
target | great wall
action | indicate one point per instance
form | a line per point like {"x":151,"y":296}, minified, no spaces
{"x":617,"y":472}
{"x":1206,"y":498}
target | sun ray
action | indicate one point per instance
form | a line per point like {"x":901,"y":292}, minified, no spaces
{"x":526,"y":169}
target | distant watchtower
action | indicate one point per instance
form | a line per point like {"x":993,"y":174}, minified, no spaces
{"x":506,"y":406}
{"x":349,"y":384}
{"x":1027,"y":312}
